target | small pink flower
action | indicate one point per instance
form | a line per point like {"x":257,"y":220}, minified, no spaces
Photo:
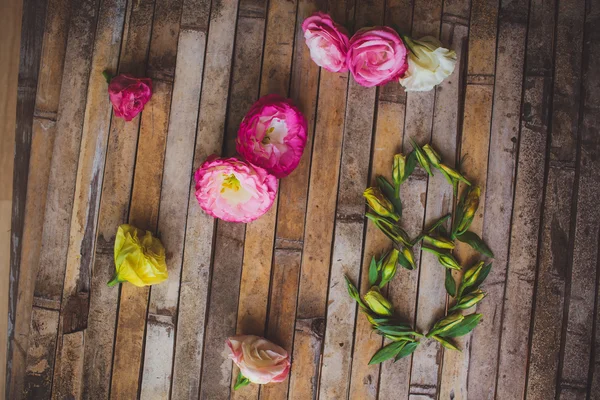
{"x":376,"y":56}
{"x":129,"y":95}
{"x":273,"y":135}
{"x":234,"y":190}
{"x":259,"y":360}
{"x":327,"y":42}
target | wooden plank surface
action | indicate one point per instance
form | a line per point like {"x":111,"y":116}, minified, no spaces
{"x":519,"y":111}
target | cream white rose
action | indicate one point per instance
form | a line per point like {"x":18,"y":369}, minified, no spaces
{"x":428,"y":64}
{"x":259,"y":360}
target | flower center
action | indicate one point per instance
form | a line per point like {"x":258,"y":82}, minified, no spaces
{"x":231,"y":183}
{"x":267,"y":138}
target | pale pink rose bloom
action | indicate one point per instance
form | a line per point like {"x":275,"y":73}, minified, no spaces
{"x":234,"y":190}
{"x":327,"y":42}
{"x":273,"y":135}
{"x":376,"y":56}
{"x":259,"y":360}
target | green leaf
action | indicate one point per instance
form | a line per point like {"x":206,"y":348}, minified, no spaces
{"x":465,"y":326}
{"x":450,"y":283}
{"x":411,"y":163}
{"x":406,"y":350}
{"x":107,"y":76}
{"x":373,"y":272}
{"x":473,"y":240}
{"x":387,"y":352}
{"x":389,"y":192}
{"x":241,"y":381}
{"x":396,"y":330}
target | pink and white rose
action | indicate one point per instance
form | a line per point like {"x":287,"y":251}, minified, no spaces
{"x":376,"y":56}
{"x":273,"y":135}
{"x":327,"y":42}
{"x":258,"y":359}
{"x":129,"y":95}
{"x":234,"y":190}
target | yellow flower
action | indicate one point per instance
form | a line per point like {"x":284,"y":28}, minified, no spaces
{"x":138,"y":260}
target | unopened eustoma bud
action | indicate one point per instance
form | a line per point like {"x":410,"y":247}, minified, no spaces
{"x":472,"y":274}
{"x":445,"y":324}
{"x":377,"y":303}
{"x":469,"y":208}
{"x":388,"y":270}
{"x":399,"y":169}
{"x":469,"y":300}
{"x":448,"y":261}
{"x":453,"y":174}
{"x":433,"y":157}
{"x":440,"y":242}
{"x":407,"y":253}
{"x":379,"y":203}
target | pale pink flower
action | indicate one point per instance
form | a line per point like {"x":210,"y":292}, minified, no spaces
{"x":327,"y":42}
{"x":376,"y":56}
{"x":234,"y":190}
{"x":273,"y":135}
{"x":258,"y":359}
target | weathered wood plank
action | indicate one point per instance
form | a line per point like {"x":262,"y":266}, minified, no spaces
{"x":61,"y":186}
{"x":578,"y":333}
{"x":224,"y":285}
{"x":447,"y":123}
{"x":499,"y":192}
{"x":312,"y":292}
{"x":145,"y":193}
{"x":10,"y":31}
{"x":431,"y":303}
{"x":555,"y":256}
{"x":162,"y":309}
{"x":293,"y":194}
{"x":475,"y":142}
{"x":349,"y":223}
{"x":32,"y":175}
{"x":258,"y":244}
{"x":113,"y":211}
{"x":76,"y":290}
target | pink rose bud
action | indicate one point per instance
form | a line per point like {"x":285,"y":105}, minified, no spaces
{"x":273,"y":135}
{"x":234,"y":190}
{"x":258,"y":359}
{"x":129,"y":95}
{"x":376,"y":56}
{"x":327,"y":42}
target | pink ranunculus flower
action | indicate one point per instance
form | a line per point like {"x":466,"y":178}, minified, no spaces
{"x":327,"y":42}
{"x":273,"y":135}
{"x":129,"y":95}
{"x":234,"y":190}
{"x":259,"y":360}
{"x":376,"y":56}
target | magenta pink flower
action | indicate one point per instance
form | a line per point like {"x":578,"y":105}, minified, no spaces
{"x":259,"y":360}
{"x":234,"y":190}
{"x":129,"y":95}
{"x":327,"y":42}
{"x":273,"y":135}
{"x":376,"y":56}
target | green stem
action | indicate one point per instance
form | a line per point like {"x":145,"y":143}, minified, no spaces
{"x":114,"y":281}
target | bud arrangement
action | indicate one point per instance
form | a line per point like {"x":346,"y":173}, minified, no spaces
{"x":438,"y":239}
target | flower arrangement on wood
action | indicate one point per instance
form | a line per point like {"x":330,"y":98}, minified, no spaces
{"x":234,"y":190}
{"x":128,"y":94}
{"x":259,"y":360}
{"x":272,"y":135}
{"x":139,"y":258}
{"x":378,"y":55}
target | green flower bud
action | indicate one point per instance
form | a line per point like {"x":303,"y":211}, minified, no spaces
{"x":440,"y":242}
{"x":399,"y":169}
{"x":432,"y":155}
{"x":446,"y":323}
{"x":472,"y":274}
{"x":448,"y":261}
{"x":421,"y":157}
{"x":469,"y":300}
{"x":379,"y":203}
{"x":445,"y":343}
{"x":389,"y":266}
{"x":454,"y":174}
{"x":409,"y":257}
{"x":469,"y":208}
{"x":377,"y":303}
